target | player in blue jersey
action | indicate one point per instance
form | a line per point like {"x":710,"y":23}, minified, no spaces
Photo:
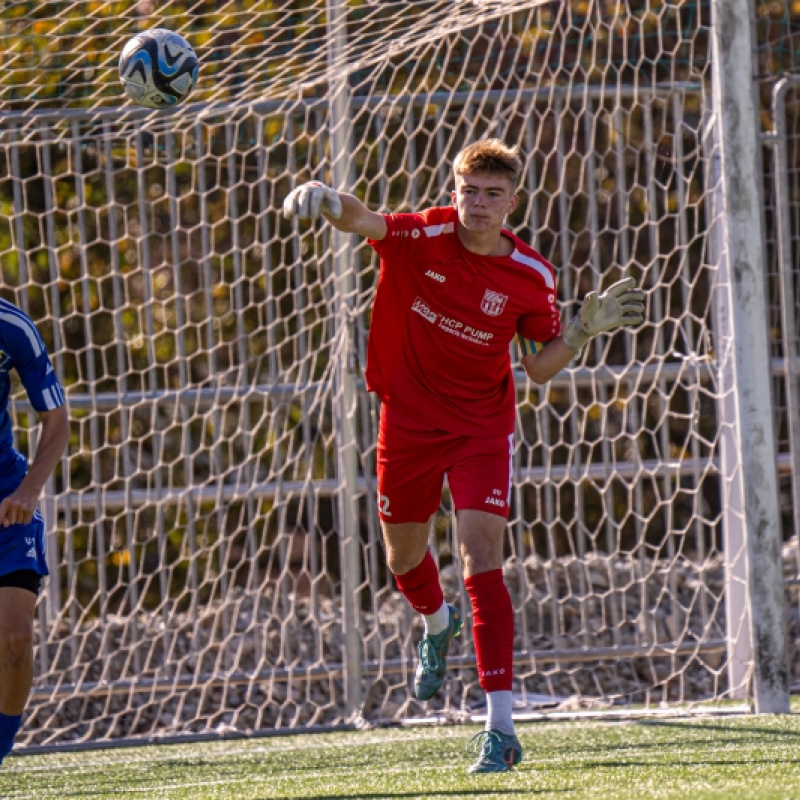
{"x":22,"y":546}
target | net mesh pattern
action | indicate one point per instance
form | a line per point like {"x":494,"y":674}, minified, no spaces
{"x":213,"y":534}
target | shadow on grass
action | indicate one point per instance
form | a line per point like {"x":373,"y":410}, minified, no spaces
{"x":719,"y":737}
{"x":496,"y":792}
{"x":705,"y":726}
{"x":733,"y":736}
{"x":682,"y":763}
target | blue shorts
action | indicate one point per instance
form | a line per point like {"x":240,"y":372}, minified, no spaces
{"x":22,"y":546}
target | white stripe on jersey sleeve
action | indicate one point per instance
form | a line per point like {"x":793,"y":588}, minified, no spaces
{"x":53,"y":397}
{"x":510,"y":467}
{"x":538,"y":266}
{"x":438,"y":230}
{"x":27,"y":327}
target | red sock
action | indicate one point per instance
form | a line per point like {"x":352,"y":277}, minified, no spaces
{"x":492,"y":629}
{"x":421,"y":586}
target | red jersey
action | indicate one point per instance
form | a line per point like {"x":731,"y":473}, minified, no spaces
{"x":443,"y":321}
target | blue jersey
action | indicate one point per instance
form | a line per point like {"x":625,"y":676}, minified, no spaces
{"x":22,"y":349}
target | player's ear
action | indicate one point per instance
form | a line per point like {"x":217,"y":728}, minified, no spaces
{"x":513,"y":204}
{"x":453,"y":196}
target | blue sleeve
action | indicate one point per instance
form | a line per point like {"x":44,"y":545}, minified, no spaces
{"x":32,"y":363}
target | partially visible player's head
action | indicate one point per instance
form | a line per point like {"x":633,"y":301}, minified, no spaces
{"x":487,"y":174}
{"x":491,"y":156}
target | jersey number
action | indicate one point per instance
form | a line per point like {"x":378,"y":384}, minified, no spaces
{"x":383,"y":505}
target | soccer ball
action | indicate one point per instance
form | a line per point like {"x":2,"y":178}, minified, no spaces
{"x":158,"y":68}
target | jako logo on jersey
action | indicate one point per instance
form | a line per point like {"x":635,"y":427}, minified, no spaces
{"x":486,"y":673}
{"x":435,"y":275}
{"x":422,"y":309}
{"x":493,"y":303}
{"x":5,"y":360}
{"x":495,"y":501}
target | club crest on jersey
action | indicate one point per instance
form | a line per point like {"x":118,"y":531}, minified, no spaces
{"x":493,"y":303}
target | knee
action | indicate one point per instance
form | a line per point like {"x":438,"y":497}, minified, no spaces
{"x":400,"y":563}
{"x":474,"y":564}
{"x":16,"y":643}
{"x":406,"y":546}
{"x":480,"y":559}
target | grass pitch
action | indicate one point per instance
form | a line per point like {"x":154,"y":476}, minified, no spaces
{"x":747,"y":758}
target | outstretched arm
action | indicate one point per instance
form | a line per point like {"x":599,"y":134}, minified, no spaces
{"x":344,"y":211}
{"x":622,"y":304}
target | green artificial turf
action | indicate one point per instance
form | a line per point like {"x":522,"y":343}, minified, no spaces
{"x":699,"y":758}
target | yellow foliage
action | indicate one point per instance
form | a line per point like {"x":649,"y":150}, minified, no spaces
{"x":121,"y":558}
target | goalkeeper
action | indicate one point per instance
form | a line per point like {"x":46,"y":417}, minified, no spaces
{"x":454,"y":289}
{"x":22,"y":546}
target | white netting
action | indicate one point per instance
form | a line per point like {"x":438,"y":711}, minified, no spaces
{"x":65,"y":55}
{"x":202,"y":514}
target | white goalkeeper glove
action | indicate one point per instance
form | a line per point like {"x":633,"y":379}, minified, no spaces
{"x":620,"y":304}
{"x":310,"y":199}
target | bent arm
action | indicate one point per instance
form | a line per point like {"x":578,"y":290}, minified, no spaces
{"x":53,"y":440}
{"x":19,"y":506}
{"x":549,"y":361}
{"x":621,"y":305}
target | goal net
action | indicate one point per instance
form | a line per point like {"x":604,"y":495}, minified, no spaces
{"x":213,"y":538}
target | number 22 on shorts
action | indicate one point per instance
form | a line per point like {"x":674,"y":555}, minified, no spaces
{"x":383,"y":505}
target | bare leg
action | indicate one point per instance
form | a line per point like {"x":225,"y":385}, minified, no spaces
{"x":480,"y":539}
{"x":406,"y":545}
{"x":416,"y":574}
{"x":16,"y":648}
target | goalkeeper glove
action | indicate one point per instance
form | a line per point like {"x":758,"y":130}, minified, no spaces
{"x":310,"y":199}
{"x":620,"y":304}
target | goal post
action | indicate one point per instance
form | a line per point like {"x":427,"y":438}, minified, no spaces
{"x":216,"y":558}
{"x":341,"y":146}
{"x":742,"y":189}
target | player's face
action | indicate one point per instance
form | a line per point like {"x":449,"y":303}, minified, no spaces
{"x":483,"y":200}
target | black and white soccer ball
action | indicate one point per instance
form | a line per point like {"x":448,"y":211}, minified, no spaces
{"x":158,"y":68}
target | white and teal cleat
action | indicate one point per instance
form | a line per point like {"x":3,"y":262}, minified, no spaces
{"x":433,"y":657}
{"x":499,"y":752}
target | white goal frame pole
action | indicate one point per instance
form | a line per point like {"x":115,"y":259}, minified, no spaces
{"x":737,"y":607}
{"x":346,"y":397}
{"x":737,"y":117}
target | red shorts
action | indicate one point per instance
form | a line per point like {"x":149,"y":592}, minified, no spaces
{"x":414,"y":458}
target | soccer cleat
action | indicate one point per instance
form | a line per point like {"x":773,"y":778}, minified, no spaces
{"x":433,"y":657}
{"x":499,"y":752}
